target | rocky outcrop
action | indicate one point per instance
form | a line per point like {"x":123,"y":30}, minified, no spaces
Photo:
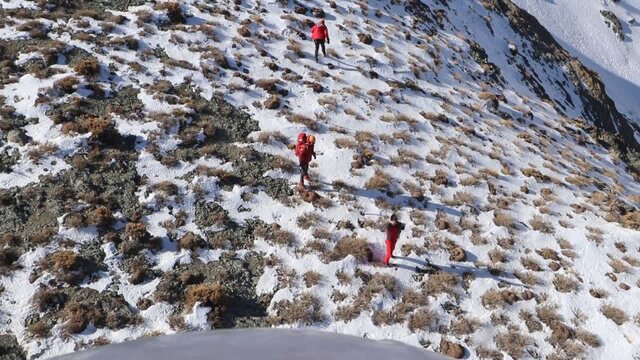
{"x":613,"y":23}
{"x":611,"y":128}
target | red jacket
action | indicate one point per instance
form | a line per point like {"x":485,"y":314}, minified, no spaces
{"x":319,"y":32}
{"x":393,"y":231}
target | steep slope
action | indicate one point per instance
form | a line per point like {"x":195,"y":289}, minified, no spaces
{"x":148,"y":173}
{"x":582,"y":28}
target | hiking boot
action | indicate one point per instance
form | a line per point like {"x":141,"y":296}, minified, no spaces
{"x":301,"y":185}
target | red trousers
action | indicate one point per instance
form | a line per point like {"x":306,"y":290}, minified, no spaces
{"x":391,"y":244}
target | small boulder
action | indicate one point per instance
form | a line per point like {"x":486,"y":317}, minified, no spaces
{"x":300,"y":10}
{"x":527,"y":295}
{"x":332,"y":4}
{"x":365,"y":38}
{"x":318,"y":12}
{"x":554,"y":266}
{"x":317,"y":88}
{"x":457,"y":254}
{"x":144,"y":303}
{"x":451,"y":349}
{"x":273,"y":102}
{"x":624,"y":286}
{"x":17,"y":136}
{"x":244,"y":31}
{"x":441,"y":178}
{"x":310,"y":196}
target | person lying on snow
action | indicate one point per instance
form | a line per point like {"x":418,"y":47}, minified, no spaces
{"x":320,"y":34}
{"x":304,"y":152}
{"x":393,"y":233}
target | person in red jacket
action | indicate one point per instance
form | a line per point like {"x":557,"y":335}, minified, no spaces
{"x":320,"y":34}
{"x":393,"y":233}
{"x":304,"y":153}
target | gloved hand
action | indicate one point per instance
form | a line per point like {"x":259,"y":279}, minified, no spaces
{"x":328,"y":41}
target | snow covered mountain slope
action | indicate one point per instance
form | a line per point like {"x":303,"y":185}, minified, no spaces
{"x":148,"y":182}
{"x":581,"y":28}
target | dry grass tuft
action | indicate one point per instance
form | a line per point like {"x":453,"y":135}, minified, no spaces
{"x":501,"y":218}
{"x":513,"y":343}
{"x":423,"y":319}
{"x":305,"y":309}
{"x":464,"y":326}
{"x":88,"y":67}
{"x":441,"y":283}
{"x":494,"y":299}
{"x":357,"y":247}
{"x":211,"y":295}
{"x":311,"y":278}
{"x":619,"y":266}
{"x":565,"y":284}
{"x":308,"y":220}
{"x":379,"y":181}
{"x":614,"y":314}
{"x":539,"y":224}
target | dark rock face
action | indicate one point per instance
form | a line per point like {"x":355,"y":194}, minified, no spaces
{"x":613,"y":22}
{"x":239,"y":278}
{"x":10,"y":349}
{"x":610,"y":127}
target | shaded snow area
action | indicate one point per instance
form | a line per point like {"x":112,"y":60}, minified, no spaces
{"x":521,"y":237}
{"x":581,"y":28}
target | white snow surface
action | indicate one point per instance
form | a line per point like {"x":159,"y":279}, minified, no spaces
{"x":580,"y":28}
{"x":418,"y":76}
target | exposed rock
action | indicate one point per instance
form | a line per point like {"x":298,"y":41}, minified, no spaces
{"x":611,"y":128}
{"x":365,"y":38}
{"x":457,"y":254}
{"x":318,"y":12}
{"x":309,"y":196}
{"x":272,"y":103}
{"x":10,"y":349}
{"x":451,"y":349}
{"x":239,"y":276}
{"x":18,"y":136}
{"x":210,"y":214}
{"x":624,"y":286}
{"x":613,"y":23}
{"x":527,"y":295}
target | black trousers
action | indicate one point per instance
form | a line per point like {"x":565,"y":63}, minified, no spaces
{"x":304,"y":170}
{"x":320,"y":43}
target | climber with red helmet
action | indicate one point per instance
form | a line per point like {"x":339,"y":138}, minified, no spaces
{"x":304,"y":152}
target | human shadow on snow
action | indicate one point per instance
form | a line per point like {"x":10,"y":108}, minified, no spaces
{"x":402,"y":201}
{"x":477,"y":272}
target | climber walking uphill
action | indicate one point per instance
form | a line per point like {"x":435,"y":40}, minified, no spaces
{"x":320,"y":34}
{"x":393,"y":233}
{"x":304,"y":150}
